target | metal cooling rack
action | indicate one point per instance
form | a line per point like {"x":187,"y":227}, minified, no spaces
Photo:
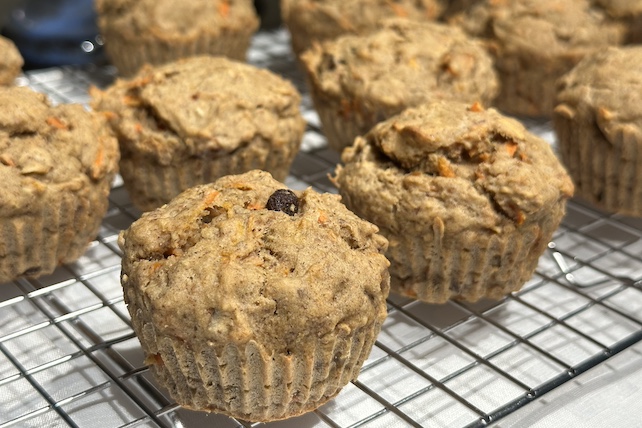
{"x":68,"y":355}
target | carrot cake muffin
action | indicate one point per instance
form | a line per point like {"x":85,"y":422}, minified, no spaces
{"x":11,"y":63}
{"x":197,"y":119}
{"x":311,"y":21}
{"x":56,"y":168}
{"x":467,"y":198}
{"x":598,"y":121}
{"x":159,"y":31}
{"x":252,"y":300}
{"x":534,"y":42}
{"x":358,"y":81}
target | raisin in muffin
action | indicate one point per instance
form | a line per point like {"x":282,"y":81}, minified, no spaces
{"x":137,"y":32}
{"x":197,"y":119}
{"x":11,"y":63}
{"x":467,"y":198}
{"x":534,"y":42}
{"x":252,"y":300}
{"x":56,"y":168}
{"x":311,"y":21}
{"x":357,"y":81}
{"x":598,"y":121}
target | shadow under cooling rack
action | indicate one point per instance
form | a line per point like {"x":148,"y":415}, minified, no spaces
{"x":68,"y":355}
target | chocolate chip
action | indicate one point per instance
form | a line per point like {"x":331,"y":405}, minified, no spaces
{"x":283,"y":200}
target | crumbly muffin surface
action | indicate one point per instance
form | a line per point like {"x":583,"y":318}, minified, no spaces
{"x":608,"y":83}
{"x":200,"y":105}
{"x":598,"y":121}
{"x":467,"y":198}
{"x":11,"y":62}
{"x":470,"y":167}
{"x":215,"y":266}
{"x":311,"y":21}
{"x":541,"y":26}
{"x":166,"y":19}
{"x":534,"y":42}
{"x":404,"y":64}
{"x":47,"y":150}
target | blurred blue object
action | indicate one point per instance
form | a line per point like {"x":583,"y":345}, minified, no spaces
{"x":52,"y":33}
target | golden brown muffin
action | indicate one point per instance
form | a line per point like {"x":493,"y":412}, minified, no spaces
{"x":598,"y":121}
{"x":56,"y":168}
{"x":252,"y":300}
{"x":467,"y":197}
{"x":311,"y":21}
{"x":534,"y":42}
{"x":358,"y":81}
{"x":155,"y":32}
{"x":192,"y":121}
{"x":11,"y":61}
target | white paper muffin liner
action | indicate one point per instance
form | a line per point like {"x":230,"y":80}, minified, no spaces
{"x":436,"y":270}
{"x":341,"y":125}
{"x":607,"y":174}
{"x":35,"y":244}
{"x":433,"y":267}
{"x":151,"y":185}
{"x":247,"y":382}
{"x":130,"y":55}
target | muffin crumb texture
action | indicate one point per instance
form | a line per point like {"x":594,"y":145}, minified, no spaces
{"x":598,"y":120}
{"x":56,"y":166}
{"x":291,"y":300}
{"x":467,"y":197}
{"x":197,"y":119}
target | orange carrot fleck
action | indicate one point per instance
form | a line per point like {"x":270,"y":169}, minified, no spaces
{"x":109,"y":115}
{"x":323,"y":218}
{"x":444,"y":168}
{"x":398,"y":10}
{"x":476,"y":107}
{"x":210,"y":197}
{"x":511,"y":148}
{"x":255,"y":206}
{"x":98,"y":162}
{"x":224,"y":9}
{"x":130,"y":101}
{"x":56,"y":123}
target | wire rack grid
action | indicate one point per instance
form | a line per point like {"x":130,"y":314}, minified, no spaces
{"x":68,"y":355}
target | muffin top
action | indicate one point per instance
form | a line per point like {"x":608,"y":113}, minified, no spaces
{"x":45,"y":149}
{"x":11,"y":62}
{"x":169,"y":20}
{"x":541,"y":28}
{"x":327,"y":19}
{"x":200,"y":105}
{"x":606,"y":87}
{"x":405,"y":63}
{"x":472,"y":168}
{"x":244,"y":259}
